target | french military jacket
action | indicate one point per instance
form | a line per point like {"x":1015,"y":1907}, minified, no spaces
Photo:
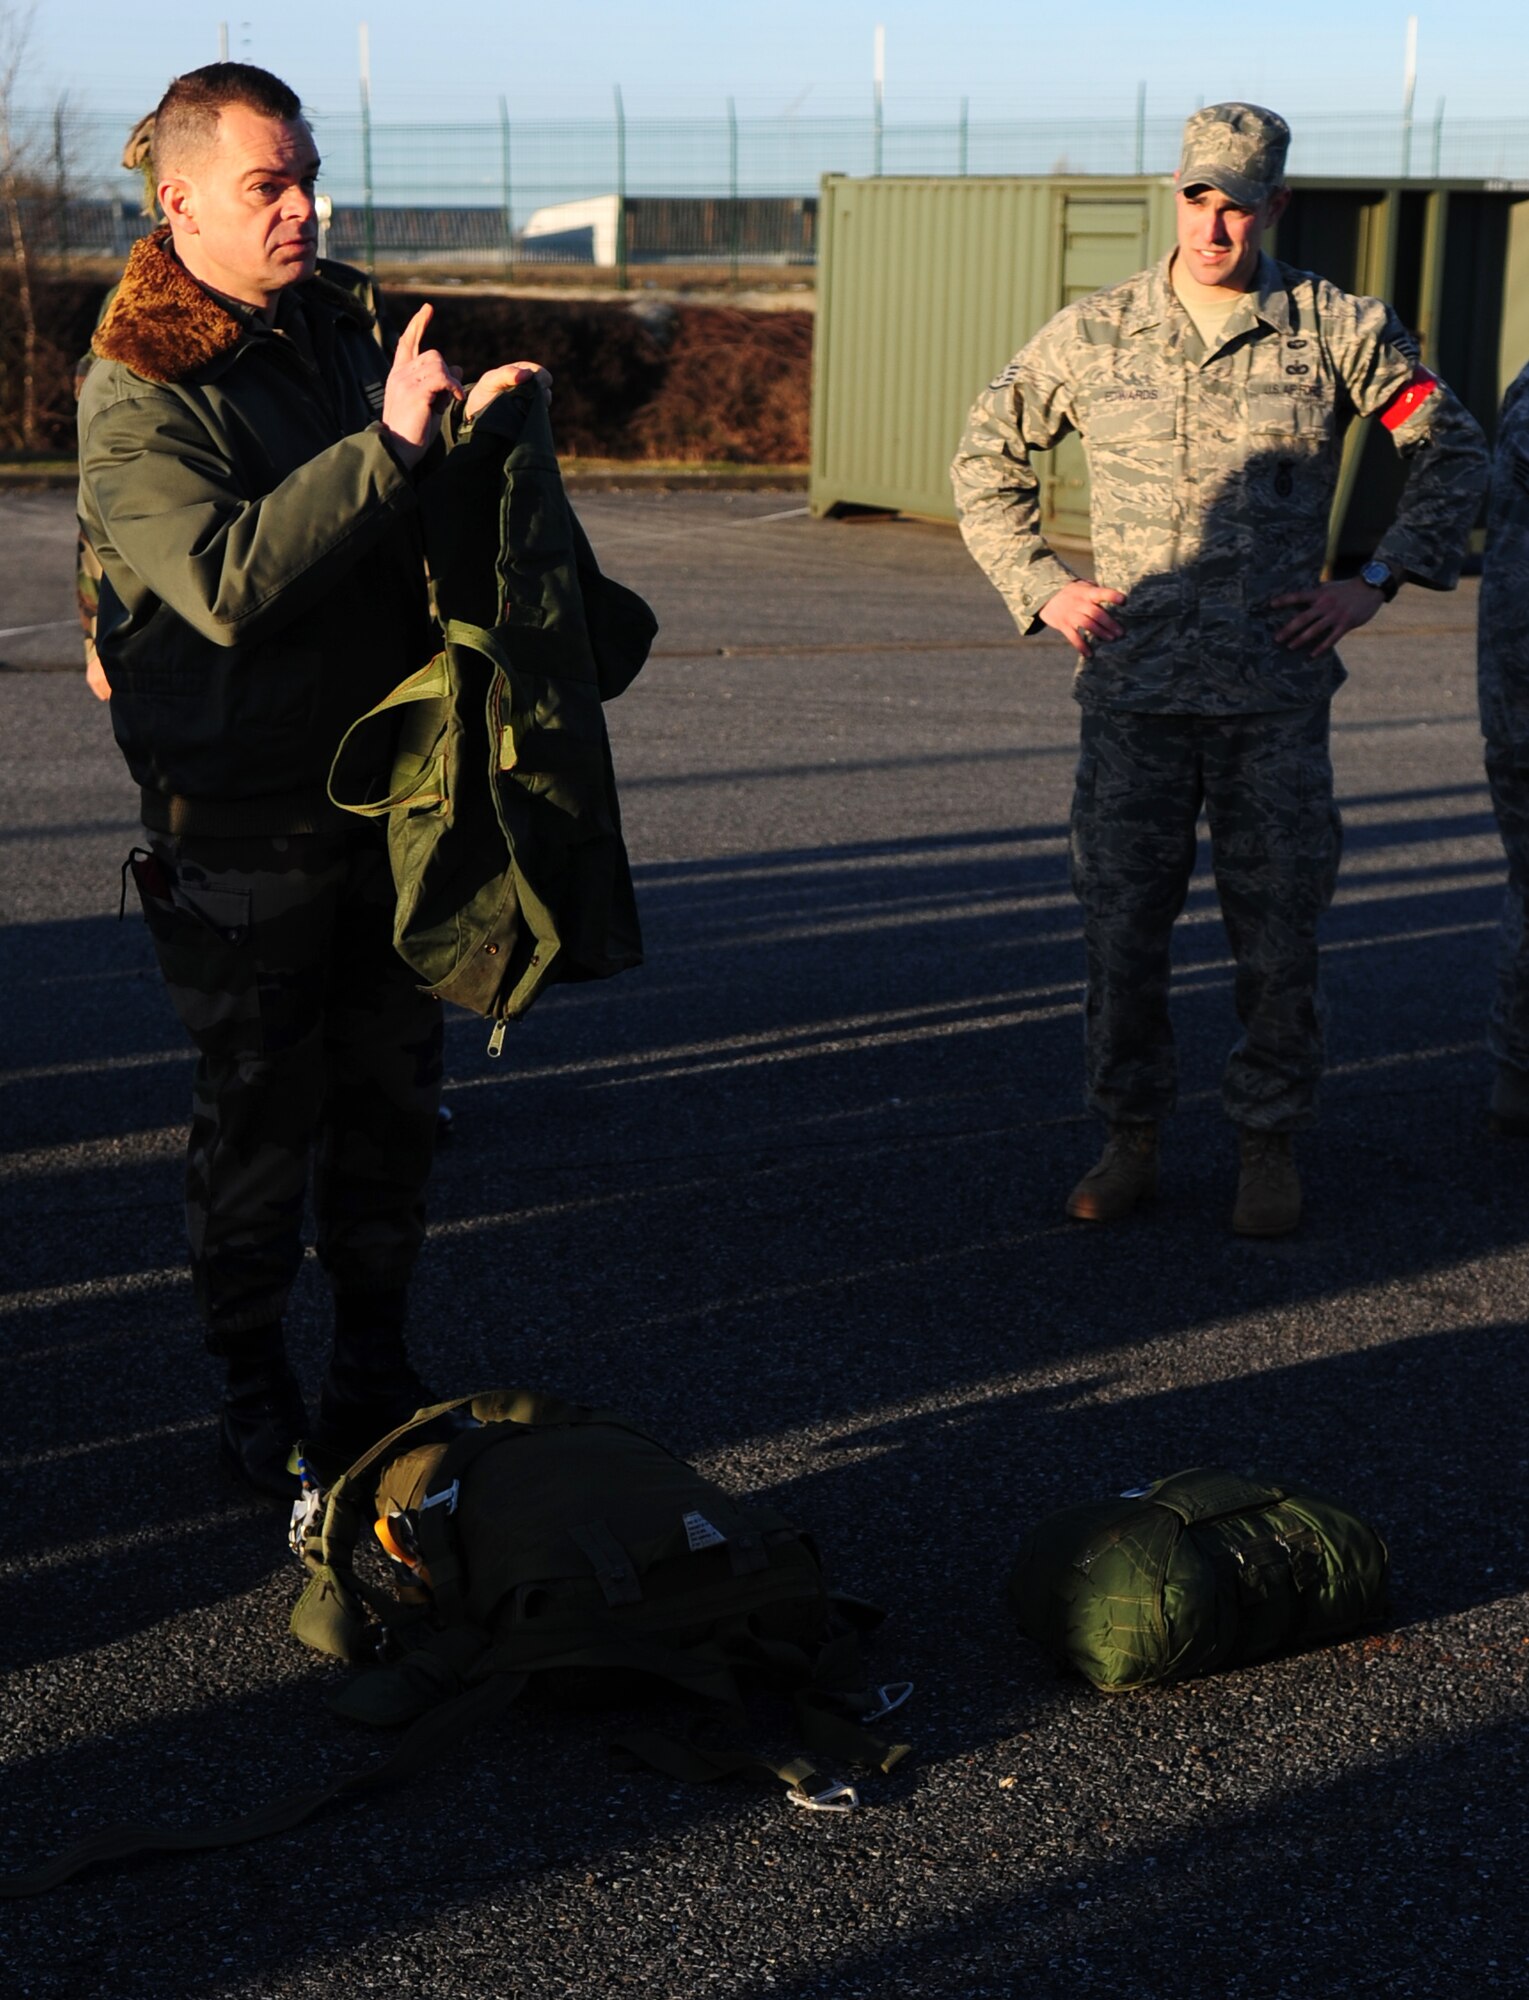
{"x":1502,"y":626}
{"x":263,"y":573}
{"x":1212,"y":475}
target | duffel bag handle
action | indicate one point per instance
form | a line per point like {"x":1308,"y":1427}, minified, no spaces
{"x":1209,"y":1493}
{"x":430,"y":683}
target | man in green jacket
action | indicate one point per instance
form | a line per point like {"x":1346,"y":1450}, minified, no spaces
{"x":248,"y":450}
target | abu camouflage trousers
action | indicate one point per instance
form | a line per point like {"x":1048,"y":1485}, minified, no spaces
{"x":315,"y":1047}
{"x":1508,"y":1021}
{"x":1266,"y":785}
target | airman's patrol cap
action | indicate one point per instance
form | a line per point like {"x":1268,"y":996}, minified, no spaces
{"x":1238,"y":148}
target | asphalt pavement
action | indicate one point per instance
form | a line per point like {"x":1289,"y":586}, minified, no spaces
{"x":791,"y":1194}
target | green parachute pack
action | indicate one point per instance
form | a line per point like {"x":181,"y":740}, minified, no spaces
{"x":531,"y":1537}
{"x":521,"y":1539}
{"x":491,"y":764}
{"x":1198,"y":1572}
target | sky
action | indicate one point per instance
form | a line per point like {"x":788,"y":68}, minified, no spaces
{"x":1011,"y":58}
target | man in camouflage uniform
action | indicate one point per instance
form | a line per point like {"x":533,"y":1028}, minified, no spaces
{"x":1211,"y":393}
{"x":1502,"y":680}
{"x":248,"y":453}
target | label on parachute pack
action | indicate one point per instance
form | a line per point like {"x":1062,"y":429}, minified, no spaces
{"x":700,"y":1534}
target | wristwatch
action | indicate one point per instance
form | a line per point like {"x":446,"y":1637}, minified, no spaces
{"x":1379,"y":577}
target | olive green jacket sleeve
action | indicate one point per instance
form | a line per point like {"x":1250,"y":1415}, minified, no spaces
{"x":157,"y":475}
{"x":1028,"y":408}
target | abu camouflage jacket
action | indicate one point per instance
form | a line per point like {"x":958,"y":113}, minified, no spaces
{"x":1213,"y":475}
{"x":1502,"y":626}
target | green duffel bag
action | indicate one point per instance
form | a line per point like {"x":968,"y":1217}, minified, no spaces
{"x":1204,"y":1570}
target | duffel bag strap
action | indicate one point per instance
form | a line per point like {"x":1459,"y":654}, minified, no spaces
{"x":424,"y":1742}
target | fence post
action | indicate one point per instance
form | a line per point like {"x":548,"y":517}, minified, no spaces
{"x":1141,"y":127}
{"x":1438,"y":138}
{"x":963,"y":139}
{"x":504,"y":187}
{"x":621,"y":272}
{"x":61,"y":179}
{"x":732,"y":190}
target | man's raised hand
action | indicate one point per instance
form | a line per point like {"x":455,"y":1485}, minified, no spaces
{"x":498,"y":380}
{"x":419,"y":386}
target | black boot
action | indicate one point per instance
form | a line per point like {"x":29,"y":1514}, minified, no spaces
{"x":370,"y":1387}
{"x":262,"y":1415}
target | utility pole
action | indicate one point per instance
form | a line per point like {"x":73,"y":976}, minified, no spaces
{"x":1409,"y":91}
{"x":366,"y":146}
{"x":878,"y":93}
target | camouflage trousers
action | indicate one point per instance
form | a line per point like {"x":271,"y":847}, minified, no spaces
{"x":1508,"y":1021}
{"x":1266,"y":785}
{"x":314,"y":1044}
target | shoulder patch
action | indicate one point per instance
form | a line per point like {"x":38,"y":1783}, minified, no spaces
{"x":1010,"y":374}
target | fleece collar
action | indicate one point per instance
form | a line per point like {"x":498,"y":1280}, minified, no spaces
{"x":166,"y":327}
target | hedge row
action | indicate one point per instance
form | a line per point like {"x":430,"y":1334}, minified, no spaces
{"x":633,"y":381}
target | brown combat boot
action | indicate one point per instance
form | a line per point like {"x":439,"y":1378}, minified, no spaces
{"x":1268,"y":1187}
{"x":1124,"y":1174}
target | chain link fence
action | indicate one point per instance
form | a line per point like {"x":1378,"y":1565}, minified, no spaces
{"x":504,"y":196}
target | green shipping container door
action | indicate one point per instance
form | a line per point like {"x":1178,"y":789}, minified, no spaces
{"x":926,"y":287}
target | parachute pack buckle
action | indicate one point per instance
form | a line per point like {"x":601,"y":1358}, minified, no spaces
{"x":890,"y":1696}
{"x":836,"y":1799}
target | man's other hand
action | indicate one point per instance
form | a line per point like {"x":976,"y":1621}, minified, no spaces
{"x":1078,"y":611}
{"x":510,"y":376}
{"x":419,"y":386}
{"x":1327,"y":613}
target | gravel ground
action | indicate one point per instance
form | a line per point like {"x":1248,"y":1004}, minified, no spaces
{"x":792,"y":1195}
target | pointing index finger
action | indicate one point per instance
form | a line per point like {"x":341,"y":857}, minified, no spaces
{"x":413,"y":334}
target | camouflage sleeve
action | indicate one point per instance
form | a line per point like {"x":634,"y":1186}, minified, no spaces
{"x":1440,"y":442}
{"x":997,"y":491}
{"x":1502,"y":626}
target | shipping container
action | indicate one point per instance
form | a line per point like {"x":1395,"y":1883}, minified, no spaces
{"x":926,"y":287}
